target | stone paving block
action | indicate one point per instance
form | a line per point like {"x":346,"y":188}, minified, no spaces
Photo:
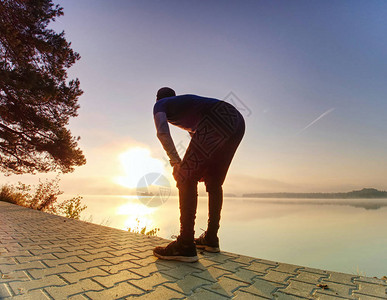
{"x":65,"y":254}
{"x":148,"y":283}
{"x":244,"y":275}
{"x":81,"y":266}
{"x":241,"y":295}
{"x":205,"y":262}
{"x":226,"y":286}
{"x":76,"y":276}
{"x":15,"y":247}
{"x":98,"y":250}
{"x":21,"y":287}
{"x":218,"y":257}
{"x":54,"y":250}
{"x":230,"y":266}
{"x":371,"y":289}
{"x":17,"y":253}
{"x":111,"y":280}
{"x":308,"y":277}
{"x":62,"y":261}
{"x":341,"y":278}
{"x":32,"y":245}
{"x":181,"y":270}
{"x":148,"y":270}
{"x":91,"y":257}
{"x":145,"y":261}
{"x":203,"y":294}
{"x":43,"y":257}
{"x":21,"y":267}
{"x":188,"y":284}
{"x":245,"y":260}
{"x":211,"y":274}
{"x":298,"y":289}
{"x":125,"y":243}
{"x":370,"y":280}
{"x":277,"y":277}
{"x":75,"y":246}
{"x":78,"y":297}
{"x":7,"y":261}
{"x":268,"y":262}
{"x":337,"y":289}
{"x":121,"y":252}
{"x":321,"y":296}
{"x":40,"y":273}
{"x":118,"y":291}
{"x":283,"y":296}
{"x":142,"y":248}
{"x":33,"y":295}
{"x":65,"y":291}
{"x":142,"y":254}
{"x":258,"y":267}
{"x":121,"y":258}
{"x":159,"y":292}
{"x":287,"y":268}
{"x":14,"y":276}
{"x":119,"y":267}
{"x":262,"y":288}
{"x":3,"y":250}
{"x":4,"y":291}
{"x":170,"y":264}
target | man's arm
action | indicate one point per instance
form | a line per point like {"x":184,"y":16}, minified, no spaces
{"x":165,"y":138}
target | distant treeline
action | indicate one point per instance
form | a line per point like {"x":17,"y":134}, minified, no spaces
{"x":364,"y":193}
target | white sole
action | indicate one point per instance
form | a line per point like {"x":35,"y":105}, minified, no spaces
{"x":190,"y":259}
{"x":208,"y":248}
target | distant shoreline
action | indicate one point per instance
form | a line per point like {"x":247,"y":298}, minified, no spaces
{"x":365,"y":193}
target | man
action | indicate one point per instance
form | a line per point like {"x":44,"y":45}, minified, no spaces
{"x":216,"y":128}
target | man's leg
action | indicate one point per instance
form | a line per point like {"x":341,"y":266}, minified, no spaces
{"x":184,"y":249}
{"x":209,"y":240}
{"x":214,"y":177}
{"x":188,"y":197}
{"x":215,"y":201}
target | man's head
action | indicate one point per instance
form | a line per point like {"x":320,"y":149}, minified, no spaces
{"x":165,"y":92}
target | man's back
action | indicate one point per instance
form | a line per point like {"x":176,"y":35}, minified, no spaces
{"x":184,"y":111}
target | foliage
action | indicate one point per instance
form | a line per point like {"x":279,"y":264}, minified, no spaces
{"x":36,"y":99}
{"x":72,"y":208}
{"x":44,"y":198}
{"x":137,"y":229}
{"x":18,"y":194}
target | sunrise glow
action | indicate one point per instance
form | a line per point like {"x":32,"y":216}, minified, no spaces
{"x":136,"y":163}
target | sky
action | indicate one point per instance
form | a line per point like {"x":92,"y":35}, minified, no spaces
{"x":308,"y":76}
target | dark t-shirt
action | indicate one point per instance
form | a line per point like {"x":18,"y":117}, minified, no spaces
{"x":185,"y":111}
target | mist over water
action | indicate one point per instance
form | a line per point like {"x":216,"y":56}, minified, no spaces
{"x":344,"y":235}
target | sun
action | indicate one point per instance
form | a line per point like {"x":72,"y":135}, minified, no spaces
{"x":136,"y":163}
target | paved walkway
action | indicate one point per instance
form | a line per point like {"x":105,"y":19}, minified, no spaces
{"x":43,"y":256}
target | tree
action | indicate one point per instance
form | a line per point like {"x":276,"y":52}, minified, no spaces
{"x":36,"y":99}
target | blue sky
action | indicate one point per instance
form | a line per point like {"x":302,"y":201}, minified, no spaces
{"x":312,"y":73}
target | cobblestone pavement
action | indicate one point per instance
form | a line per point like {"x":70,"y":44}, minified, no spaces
{"x":43,"y":256}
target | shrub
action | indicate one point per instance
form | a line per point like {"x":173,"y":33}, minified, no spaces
{"x":44,"y":198}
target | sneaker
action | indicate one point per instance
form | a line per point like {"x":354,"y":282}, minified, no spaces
{"x":207,"y":244}
{"x":176,"y":250}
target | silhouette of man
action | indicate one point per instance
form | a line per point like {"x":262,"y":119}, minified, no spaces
{"x":216,"y":128}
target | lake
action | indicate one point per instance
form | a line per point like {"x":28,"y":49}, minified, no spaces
{"x":344,"y":235}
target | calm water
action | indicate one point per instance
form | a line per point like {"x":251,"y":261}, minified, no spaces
{"x":339,"y":235}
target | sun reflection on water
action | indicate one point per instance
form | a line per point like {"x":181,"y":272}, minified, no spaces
{"x":138,"y":215}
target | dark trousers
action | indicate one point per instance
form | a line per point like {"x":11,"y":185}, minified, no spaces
{"x":207,"y":159}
